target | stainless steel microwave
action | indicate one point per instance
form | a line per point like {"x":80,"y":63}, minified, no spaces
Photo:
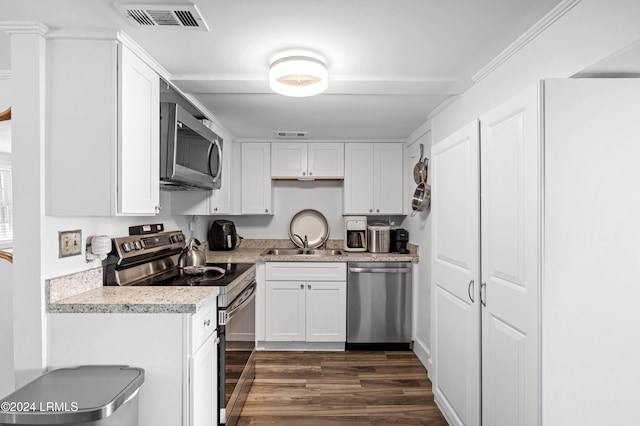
{"x":190,"y":152}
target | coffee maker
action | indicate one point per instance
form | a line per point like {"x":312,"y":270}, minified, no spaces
{"x":355,"y":233}
{"x":399,"y":241}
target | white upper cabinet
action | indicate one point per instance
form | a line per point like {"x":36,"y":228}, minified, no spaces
{"x":102,"y":153}
{"x":307,"y":160}
{"x":373,"y":178}
{"x":138,"y":135}
{"x":256,"y":178}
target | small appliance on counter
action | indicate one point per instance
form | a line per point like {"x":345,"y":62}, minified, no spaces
{"x":378,"y":236}
{"x":399,"y":241}
{"x":222,"y":235}
{"x":355,"y":233}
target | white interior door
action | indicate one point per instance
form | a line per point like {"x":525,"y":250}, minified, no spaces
{"x":456,"y":222}
{"x":509,"y":294}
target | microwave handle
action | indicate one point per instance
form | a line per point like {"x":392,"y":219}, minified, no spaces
{"x":215,"y":175}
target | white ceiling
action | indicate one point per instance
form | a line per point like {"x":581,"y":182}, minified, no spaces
{"x":391,"y":62}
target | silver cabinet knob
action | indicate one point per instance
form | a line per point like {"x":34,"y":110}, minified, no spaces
{"x":266,"y":210}
{"x":207,"y":322}
{"x":215,"y":209}
{"x":310,"y":173}
{"x":301,"y":286}
{"x":157,"y":209}
{"x":377,"y":210}
{"x":304,"y":173}
{"x":309,"y":286}
{"x":370,"y":210}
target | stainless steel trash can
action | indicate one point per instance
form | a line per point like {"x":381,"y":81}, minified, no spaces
{"x":88,"y":395}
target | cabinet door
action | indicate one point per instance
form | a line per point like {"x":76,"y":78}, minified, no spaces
{"x":388,"y":178}
{"x":285,"y":311}
{"x":358,"y":178}
{"x":455,"y":291}
{"x":288,"y":160}
{"x":325,"y":160}
{"x":256,"y":178}
{"x":509,"y":211}
{"x":326,"y":311}
{"x":203,"y":385}
{"x":138,"y":136}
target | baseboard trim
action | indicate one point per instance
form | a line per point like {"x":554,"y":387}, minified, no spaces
{"x":424,"y":355}
{"x":299,"y":346}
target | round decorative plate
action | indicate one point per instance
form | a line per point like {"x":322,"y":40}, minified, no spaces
{"x":310,"y":223}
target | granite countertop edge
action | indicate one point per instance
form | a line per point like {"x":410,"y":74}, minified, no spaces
{"x":96,"y":301}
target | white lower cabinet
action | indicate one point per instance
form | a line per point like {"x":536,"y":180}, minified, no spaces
{"x":305,"y":302}
{"x":177,"y":351}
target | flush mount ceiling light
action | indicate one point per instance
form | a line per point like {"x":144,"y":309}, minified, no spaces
{"x":298,"y":76}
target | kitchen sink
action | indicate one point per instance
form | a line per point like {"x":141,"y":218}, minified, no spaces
{"x":301,"y":252}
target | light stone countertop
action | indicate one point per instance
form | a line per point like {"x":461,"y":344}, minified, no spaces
{"x":83,"y":292}
{"x":115,"y":299}
{"x":250,"y":251}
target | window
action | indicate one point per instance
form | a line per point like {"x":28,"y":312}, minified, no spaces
{"x":6,"y":207}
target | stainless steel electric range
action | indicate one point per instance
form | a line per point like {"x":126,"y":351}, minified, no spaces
{"x":152,"y":260}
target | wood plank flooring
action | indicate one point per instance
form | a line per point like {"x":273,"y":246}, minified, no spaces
{"x":358,"y":388}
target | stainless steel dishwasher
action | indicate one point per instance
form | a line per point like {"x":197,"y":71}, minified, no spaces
{"x":379,"y":305}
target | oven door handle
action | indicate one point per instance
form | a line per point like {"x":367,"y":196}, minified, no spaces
{"x":249,"y":294}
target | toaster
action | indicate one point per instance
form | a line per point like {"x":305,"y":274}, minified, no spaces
{"x":222,"y":235}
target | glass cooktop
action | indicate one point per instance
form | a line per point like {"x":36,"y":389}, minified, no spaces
{"x":176,"y":277}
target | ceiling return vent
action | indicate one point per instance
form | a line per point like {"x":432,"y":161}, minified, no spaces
{"x":281,"y":134}
{"x":185,"y":17}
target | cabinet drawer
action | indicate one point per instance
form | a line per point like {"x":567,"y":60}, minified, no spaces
{"x":306,"y":271}
{"x":203,"y":324}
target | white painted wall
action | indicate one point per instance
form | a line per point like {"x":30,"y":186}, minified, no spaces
{"x":591,"y":31}
{"x":53,"y":266}
{"x":288,"y":199}
{"x":419,"y":227}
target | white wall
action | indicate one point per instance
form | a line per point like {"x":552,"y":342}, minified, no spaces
{"x":288,"y":199}
{"x":53,"y":266}
{"x":419,"y":227}
{"x":591,"y":31}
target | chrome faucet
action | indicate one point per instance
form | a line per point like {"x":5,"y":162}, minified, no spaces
{"x":305,"y":242}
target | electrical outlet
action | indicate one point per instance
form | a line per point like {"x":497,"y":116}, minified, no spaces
{"x":70,"y":243}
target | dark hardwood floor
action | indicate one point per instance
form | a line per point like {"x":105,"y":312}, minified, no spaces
{"x":338,"y":388}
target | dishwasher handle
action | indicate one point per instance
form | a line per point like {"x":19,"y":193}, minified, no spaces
{"x":381,"y":270}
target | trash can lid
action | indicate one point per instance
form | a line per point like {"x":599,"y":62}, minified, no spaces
{"x":72,"y":395}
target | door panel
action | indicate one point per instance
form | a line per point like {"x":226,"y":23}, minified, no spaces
{"x":285,"y":314}
{"x":456,"y":227}
{"x":326,"y":311}
{"x":509,"y":211}
{"x":505,"y":377}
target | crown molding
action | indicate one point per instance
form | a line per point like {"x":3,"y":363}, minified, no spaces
{"x":556,"y":13}
{"x":444,"y":105}
{"x":26,"y":27}
{"x":5,"y":74}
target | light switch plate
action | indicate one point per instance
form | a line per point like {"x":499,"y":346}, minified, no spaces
{"x":70,"y":243}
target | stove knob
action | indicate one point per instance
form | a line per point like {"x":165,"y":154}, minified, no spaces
{"x":142,"y":245}
{"x":126,"y":247}
{"x":137,"y":245}
{"x":175,"y":239}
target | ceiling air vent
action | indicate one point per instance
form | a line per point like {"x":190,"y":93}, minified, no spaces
{"x":291,"y":135}
{"x":167,"y":16}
